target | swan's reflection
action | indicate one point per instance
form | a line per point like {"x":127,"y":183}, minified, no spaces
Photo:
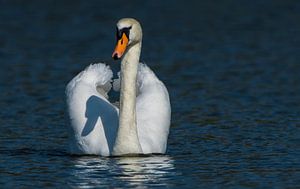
{"x":121,"y":172}
{"x":138,"y":171}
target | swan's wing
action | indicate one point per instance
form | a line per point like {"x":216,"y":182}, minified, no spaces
{"x":95,"y":75}
{"x":153,"y":111}
{"x":94,"y":120}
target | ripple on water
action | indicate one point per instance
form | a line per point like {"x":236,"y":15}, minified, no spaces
{"x":232,"y":71}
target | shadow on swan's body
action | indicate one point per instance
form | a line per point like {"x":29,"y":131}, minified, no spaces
{"x":96,"y":108}
{"x":140,"y":125}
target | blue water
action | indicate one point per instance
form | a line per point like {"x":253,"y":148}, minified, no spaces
{"x":232,"y":69}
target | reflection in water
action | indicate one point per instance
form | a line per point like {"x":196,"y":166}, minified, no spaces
{"x":124,"y":171}
{"x":137,"y":170}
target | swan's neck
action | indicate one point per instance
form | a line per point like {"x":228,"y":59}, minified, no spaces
{"x":127,"y":141}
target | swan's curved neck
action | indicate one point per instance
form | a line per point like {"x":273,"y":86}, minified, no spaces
{"x":127,"y":141}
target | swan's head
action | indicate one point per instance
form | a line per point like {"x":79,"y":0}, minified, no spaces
{"x":129,"y":33}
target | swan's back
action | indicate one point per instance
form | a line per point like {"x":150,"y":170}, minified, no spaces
{"x":94,"y":120}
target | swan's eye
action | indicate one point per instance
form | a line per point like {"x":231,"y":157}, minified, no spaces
{"x":126,"y":31}
{"x":118,"y":34}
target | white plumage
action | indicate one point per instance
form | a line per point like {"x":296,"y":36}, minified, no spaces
{"x":95,"y":120}
{"x":89,"y":110}
{"x":95,"y":125}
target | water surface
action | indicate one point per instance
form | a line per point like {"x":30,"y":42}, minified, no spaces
{"x":232,"y":70}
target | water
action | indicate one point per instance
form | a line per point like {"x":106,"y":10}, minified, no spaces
{"x":232,"y":70}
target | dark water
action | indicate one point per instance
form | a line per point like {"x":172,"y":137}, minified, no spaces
{"x":232,"y":69}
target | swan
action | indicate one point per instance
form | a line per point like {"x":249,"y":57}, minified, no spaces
{"x":140,"y":125}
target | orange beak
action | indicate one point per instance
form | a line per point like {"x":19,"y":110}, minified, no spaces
{"x":120,"y":47}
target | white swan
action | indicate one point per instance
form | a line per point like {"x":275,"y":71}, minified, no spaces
{"x":141,"y":125}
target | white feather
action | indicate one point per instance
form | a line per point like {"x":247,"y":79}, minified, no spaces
{"x":153,"y":111}
{"x":94,"y":120}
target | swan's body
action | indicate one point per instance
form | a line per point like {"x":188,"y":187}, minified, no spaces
{"x":141,"y":126}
